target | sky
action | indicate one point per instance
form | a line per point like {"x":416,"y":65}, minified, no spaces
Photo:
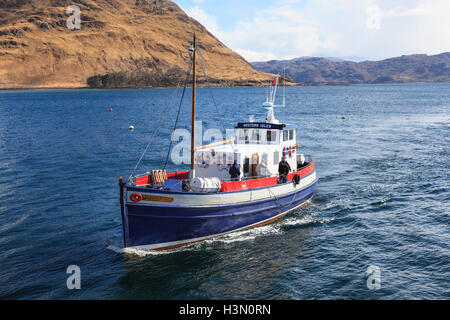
{"x":355,"y":30}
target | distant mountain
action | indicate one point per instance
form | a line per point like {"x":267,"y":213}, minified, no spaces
{"x":122,"y":43}
{"x":404,"y":69}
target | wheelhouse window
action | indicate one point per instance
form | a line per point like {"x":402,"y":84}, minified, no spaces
{"x":271,"y":136}
{"x":256,"y":136}
{"x":285,"y":135}
{"x":276,"y":157}
{"x":243,"y":136}
{"x":291,"y":134}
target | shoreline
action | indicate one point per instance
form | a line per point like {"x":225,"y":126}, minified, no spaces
{"x":212,"y":87}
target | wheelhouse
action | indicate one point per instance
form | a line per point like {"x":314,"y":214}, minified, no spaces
{"x":257,"y":148}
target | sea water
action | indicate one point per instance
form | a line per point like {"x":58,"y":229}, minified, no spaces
{"x":383,"y":200}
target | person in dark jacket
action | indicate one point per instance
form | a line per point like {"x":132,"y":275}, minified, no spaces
{"x":235,"y":171}
{"x":283,"y":170}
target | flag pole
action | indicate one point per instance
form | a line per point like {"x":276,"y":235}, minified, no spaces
{"x":194,"y":80}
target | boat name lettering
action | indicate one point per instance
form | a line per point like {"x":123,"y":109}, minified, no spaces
{"x":258,"y":125}
{"x":157,"y":198}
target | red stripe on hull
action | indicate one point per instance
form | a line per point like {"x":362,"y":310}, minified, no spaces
{"x":147,"y":180}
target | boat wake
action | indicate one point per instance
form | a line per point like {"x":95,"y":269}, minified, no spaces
{"x":142,"y":253}
{"x":245,"y":235}
{"x":231,"y":238}
{"x":305,"y":221}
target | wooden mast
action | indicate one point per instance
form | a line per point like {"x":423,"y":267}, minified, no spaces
{"x":194,"y":80}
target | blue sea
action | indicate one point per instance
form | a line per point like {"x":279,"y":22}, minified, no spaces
{"x":383,"y":202}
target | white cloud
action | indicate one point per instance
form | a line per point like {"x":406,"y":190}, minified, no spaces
{"x":208,"y":21}
{"x":336,"y":28}
{"x":429,"y":8}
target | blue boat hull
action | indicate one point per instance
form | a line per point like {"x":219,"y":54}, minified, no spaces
{"x":162,"y":226}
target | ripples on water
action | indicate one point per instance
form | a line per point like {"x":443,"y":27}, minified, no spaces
{"x":383,"y":198}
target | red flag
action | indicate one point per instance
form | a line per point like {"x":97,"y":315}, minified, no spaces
{"x":275,"y":81}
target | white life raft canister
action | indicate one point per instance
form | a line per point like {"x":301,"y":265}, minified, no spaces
{"x":206,"y":185}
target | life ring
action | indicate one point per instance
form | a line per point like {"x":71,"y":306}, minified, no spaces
{"x":284,"y":152}
{"x":290,"y":151}
{"x":136,"y":197}
{"x":296,"y":179}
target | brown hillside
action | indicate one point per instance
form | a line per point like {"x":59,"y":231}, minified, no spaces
{"x":404,"y":69}
{"x":37,"y":50}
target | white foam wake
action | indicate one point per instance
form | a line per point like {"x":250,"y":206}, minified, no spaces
{"x":305,"y":221}
{"x":141,"y":253}
{"x":234,"y":237}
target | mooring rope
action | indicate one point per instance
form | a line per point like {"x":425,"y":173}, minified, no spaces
{"x":276,"y":199}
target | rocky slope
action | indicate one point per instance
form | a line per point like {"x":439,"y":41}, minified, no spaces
{"x":126,"y":37}
{"x":413,"y":68}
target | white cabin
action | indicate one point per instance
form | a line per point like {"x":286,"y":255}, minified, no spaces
{"x":258,"y":148}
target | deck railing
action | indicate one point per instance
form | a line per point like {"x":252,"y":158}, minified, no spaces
{"x":307,"y":161}
{"x":303,"y":161}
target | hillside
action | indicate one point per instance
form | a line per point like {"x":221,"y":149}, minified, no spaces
{"x":132,"y":39}
{"x":413,"y":68}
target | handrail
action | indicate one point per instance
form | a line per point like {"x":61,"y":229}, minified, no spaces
{"x":215,"y":144}
{"x":308,"y":159}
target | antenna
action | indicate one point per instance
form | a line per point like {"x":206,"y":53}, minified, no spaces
{"x":284,"y":87}
{"x":194,"y":80}
{"x":275,"y":89}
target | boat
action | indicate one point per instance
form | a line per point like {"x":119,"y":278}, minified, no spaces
{"x":166,"y":211}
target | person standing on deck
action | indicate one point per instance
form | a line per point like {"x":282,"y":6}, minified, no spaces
{"x":235,"y":171}
{"x":283,"y":170}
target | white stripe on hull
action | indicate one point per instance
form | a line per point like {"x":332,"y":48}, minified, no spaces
{"x":217,"y":199}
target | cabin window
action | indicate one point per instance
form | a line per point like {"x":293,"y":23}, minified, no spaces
{"x":243,"y":136}
{"x":285,"y":135}
{"x":276,"y":157}
{"x":246,"y":165}
{"x":291,"y":134}
{"x":264,"y":158}
{"x":256,"y":137}
{"x":271,"y":136}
